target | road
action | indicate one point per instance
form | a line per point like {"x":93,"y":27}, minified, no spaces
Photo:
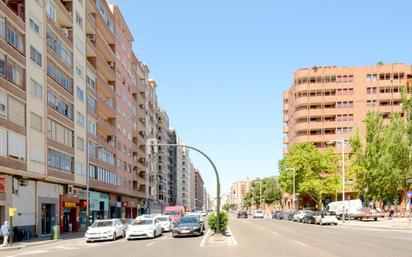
{"x":254,"y":238}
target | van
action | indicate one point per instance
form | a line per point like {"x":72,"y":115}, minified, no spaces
{"x":175,"y":212}
{"x":353,"y":208}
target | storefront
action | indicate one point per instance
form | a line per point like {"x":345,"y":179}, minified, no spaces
{"x":99,"y":205}
{"x":115,"y":206}
{"x":69,"y":214}
{"x":47,"y":207}
{"x":82,"y":208}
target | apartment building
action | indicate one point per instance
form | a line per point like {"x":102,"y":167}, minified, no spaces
{"x":199,"y":187}
{"x":238,"y":191}
{"x":192,"y":186}
{"x":206,"y":199}
{"x":163,"y":158}
{"x":172,"y":139}
{"x":330,"y":103}
{"x":182,"y":176}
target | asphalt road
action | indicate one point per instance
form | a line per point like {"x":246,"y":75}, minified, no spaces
{"x":254,"y":238}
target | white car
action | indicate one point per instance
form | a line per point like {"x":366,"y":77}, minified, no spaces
{"x":144,"y":228}
{"x":258,"y":214}
{"x":166,"y":222}
{"x":327,"y":217}
{"x":104,"y":230}
{"x":298,"y":216}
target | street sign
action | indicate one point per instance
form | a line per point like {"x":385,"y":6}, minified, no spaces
{"x":409,"y":194}
{"x":12,"y":212}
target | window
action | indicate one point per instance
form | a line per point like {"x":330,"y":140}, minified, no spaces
{"x":2,"y":65}
{"x":36,"y":122}
{"x":80,"y":94}
{"x":37,"y":155}
{"x":105,"y":16}
{"x":91,"y":103}
{"x":80,"y":144}
{"x":3,"y":142}
{"x":2,"y":27}
{"x":59,"y":133}
{"x":15,"y":38}
{"x":3,"y":104}
{"x":58,"y":104}
{"x":79,"y":71}
{"x":51,"y":10}
{"x":91,"y":127}
{"x":60,"y":161}
{"x":17,"y":113}
{"x":91,"y":82}
{"x":34,"y":26}
{"x":58,"y":47}
{"x":16,"y":146}
{"x":36,"y":89}
{"x":35,"y":55}
{"x":59,"y":76}
{"x":106,"y":156}
{"x":80,"y":119}
{"x":91,"y":149}
{"x":79,"y":169}
{"x":15,"y":74}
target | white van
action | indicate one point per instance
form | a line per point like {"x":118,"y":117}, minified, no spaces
{"x":353,"y":208}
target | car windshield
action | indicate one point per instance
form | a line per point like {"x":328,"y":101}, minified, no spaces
{"x":173,"y":213}
{"x":163,"y":218}
{"x":100,"y":224}
{"x":329,"y":213}
{"x":142,"y":222}
{"x":188,"y":220}
{"x":127,"y":221}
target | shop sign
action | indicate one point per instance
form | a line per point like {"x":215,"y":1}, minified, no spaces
{"x":2,"y":184}
{"x":125,"y":204}
{"x":70,"y":204}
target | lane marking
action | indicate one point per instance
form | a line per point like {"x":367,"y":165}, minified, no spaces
{"x":275,"y":233}
{"x":202,"y":244}
{"x":149,"y":244}
{"x":232,"y":237}
{"x":29,"y":253}
{"x":300,"y":243}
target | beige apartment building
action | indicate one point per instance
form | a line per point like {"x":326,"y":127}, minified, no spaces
{"x":76,"y":109}
{"x":330,"y":103}
{"x":238,"y":191}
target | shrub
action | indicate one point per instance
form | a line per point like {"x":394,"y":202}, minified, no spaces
{"x":212,"y":221}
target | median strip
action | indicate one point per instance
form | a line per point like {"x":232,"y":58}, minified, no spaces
{"x":300,"y":243}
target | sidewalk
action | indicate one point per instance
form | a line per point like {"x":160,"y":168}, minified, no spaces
{"x":42,"y":241}
{"x":395,"y":224}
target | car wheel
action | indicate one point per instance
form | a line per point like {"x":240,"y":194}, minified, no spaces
{"x":154,"y":234}
{"x":88,"y":241}
{"x":173,"y":235}
{"x":335,"y":224}
{"x":114,"y":236}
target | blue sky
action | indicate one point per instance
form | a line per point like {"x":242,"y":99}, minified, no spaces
{"x":221,"y":66}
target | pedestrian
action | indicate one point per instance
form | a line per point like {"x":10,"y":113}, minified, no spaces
{"x":5,"y":232}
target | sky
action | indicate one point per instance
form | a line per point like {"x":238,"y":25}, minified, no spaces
{"x":221,"y":66}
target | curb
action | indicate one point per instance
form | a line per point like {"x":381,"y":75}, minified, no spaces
{"x":27,"y":245}
{"x":377,"y":227}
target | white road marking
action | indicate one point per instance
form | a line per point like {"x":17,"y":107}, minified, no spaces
{"x":29,"y":253}
{"x":149,"y":244}
{"x":300,"y":243}
{"x":202,"y":244}
{"x":232,"y":237}
{"x":275,"y":233}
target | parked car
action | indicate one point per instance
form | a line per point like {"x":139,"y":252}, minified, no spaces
{"x":203,"y":213}
{"x":242,"y":214}
{"x":200,"y":217}
{"x":287,"y":215}
{"x":165,"y":222}
{"x":309,"y":217}
{"x":326,"y":217}
{"x":144,"y":228}
{"x":105,"y":230}
{"x":126,"y":222}
{"x":188,"y":225}
{"x":367,"y":213}
{"x":258,"y":214}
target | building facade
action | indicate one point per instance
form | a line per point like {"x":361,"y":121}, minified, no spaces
{"x":199,"y":187}
{"x":172,"y":139}
{"x":76,"y":109}
{"x":182,"y":176}
{"x":238,"y":191}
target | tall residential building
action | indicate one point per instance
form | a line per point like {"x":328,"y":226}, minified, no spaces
{"x":182,"y":176}
{"x":329,"y":103}
{"x":192,"y":186}
{"x":172,"y":139}
{"x":199,"y":187}
{"x":238,"y":192}
{"x":163,"y":158}
{"x":206,"y":199}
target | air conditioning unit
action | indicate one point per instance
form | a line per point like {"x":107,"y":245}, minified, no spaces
{"x":65,"y":32}
{"x":70,"y":189}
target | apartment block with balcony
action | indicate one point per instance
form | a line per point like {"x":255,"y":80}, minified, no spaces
{"x":199,"y":187}
{"x":163,"y":157}
{"x":182,"y":176}
{"x":330,"y":103}
{"x":172,"y":139}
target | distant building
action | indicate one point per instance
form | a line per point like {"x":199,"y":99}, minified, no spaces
{"x":238,"y":192}
{"x":199,"y":186}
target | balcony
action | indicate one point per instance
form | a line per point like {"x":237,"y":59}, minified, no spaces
{"x":107,"y":70}
{"x":90,"y":46}
{"x":90,"y":22}
{"x":105,"y":128}
{"x":105,"y":50}
{"x":106,"y":107}
{"x":104,"y":88}
{"x":108,"y":36}
{"x":14,"y":10}
{"x":64,"y":14}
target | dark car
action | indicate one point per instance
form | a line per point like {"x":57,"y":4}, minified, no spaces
{"x":287,"y":215}
{"x":276,"y":215}
{"x":242,"y":214}
{"x":309,"y":217}
{"x":188,"y":226}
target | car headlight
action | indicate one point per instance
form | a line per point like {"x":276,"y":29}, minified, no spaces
{"x":108,"y":232}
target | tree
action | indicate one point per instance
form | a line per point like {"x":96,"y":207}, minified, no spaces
{"x":315,"y":172}
{"x":229,"y":206}
{"x":271,"y":192}
{"x":380,"y":168}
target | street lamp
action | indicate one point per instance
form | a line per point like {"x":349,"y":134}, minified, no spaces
{"x":294,"y":186}
{"x":342,"y":141}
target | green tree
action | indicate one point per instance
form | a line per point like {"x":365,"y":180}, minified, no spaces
{"x":316,"y":172}
{"x":271,"y":192}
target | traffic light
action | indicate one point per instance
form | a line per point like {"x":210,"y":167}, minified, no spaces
{"x":151,"y":146}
